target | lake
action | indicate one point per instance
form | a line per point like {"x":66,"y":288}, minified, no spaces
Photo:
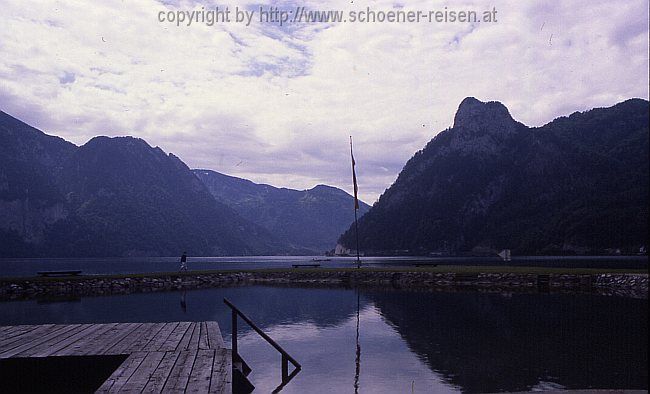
{"x":409,"y":341}
{"x":16,"y":267}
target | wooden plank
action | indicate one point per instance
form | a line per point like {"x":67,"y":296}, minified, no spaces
{"x":199,"y":381}
{"x":159,"y":377}
{"x":81,"y":345}
{"x":221,"y":380}
{"x":12,"y":331}
{"x":204,"y":368}
{"x":4,"y":329}
{"x":180,"y":373}
{"x":174,"y":338}
{"x":203,"y":338}
{"x":194,"y":340}
{"x":123,"y":346}
{"x":121,"y":375}
{"x":160,"y":338}
{"x":100,"y":340}
{"x":54,"y":335}
{"x":45,"y":347}
{"x":215,"y":338}
{"x":185,"y":341}
{"x":83,"y":331}
{"x":25,"y":337}
{"x":140,"y":377}
{"x":109,"y":338}
{"x":142,"y":342}
{"x":30,"y":339}
{"x":15,"y":332}
{"x":228,"y":367}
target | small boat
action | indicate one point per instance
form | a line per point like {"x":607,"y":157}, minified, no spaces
{"x":319,"y":259}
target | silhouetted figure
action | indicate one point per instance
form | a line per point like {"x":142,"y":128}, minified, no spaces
{"x":184,"y":262}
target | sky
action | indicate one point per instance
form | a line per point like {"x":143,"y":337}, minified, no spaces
{"x":277,"y":104}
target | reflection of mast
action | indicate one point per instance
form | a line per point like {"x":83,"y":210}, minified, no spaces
{"x":358,"y":358}
{"x":26,"y":212}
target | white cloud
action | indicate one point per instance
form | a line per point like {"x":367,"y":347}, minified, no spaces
{"x":277,"y":105}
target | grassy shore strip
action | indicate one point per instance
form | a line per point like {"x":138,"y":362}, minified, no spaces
{"x":438,"y":269}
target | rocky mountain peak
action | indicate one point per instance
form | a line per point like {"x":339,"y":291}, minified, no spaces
{"x":479,"y":117}
{"x":123,"y":143}
{"x":578,"y":184}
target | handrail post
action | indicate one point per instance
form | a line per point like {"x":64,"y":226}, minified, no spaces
{"x":285,"y":368}
{"x":234,"y":335}
{"x":286,"y":358}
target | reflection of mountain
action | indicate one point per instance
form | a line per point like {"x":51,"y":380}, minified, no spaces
{"x":490,"y":343}
{"x":266,"y":306}
{"x":477,"y":342}
{"x":269,"y":306}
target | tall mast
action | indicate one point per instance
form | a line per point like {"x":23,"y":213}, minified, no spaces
{"x":356,"y":203}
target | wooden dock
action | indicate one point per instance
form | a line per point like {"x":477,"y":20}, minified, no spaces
{"x":159,"y":357}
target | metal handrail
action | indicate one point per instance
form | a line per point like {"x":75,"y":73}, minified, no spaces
{"x":286,"y":357}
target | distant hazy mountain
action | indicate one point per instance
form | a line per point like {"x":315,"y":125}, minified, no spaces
{"x":111,"y":197}
{"x":576,"y":185}
{"x":308,"y":219}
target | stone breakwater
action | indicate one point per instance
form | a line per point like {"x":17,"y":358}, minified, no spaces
{"x":629,"y":285}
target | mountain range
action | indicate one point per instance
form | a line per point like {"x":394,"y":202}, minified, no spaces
{"x":122,"y":197}
{"x":311,"y":219}
{"x":577,"y":185}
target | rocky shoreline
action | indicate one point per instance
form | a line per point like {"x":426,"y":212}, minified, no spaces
{"x":627,"y":285}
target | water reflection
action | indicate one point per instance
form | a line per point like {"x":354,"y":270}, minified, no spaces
{"x":184,"y":301}
{"x":357,"y":361}
{"x":399,"y":341}
{"x":490,"y":343}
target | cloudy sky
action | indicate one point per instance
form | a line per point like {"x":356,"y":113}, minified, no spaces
{"x":276,"y":104}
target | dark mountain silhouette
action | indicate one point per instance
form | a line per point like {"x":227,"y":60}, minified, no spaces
{"x":30,"y":199}
{"x":111,"y":197}
{"x":576,"y":185}
{"x":307,"y":219}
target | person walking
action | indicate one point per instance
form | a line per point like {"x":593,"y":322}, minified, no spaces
{"x":184,"y":262}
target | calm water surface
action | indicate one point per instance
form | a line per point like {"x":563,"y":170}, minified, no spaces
{"x":16,"y":267}
{"x":409,"y":341}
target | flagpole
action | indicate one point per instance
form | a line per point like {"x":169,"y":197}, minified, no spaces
{"x":356,"y":204}
{"x":356,"y":230}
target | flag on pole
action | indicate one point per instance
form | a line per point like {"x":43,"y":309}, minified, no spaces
{"x":356,"y":203}
{"x":354,"y":179}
